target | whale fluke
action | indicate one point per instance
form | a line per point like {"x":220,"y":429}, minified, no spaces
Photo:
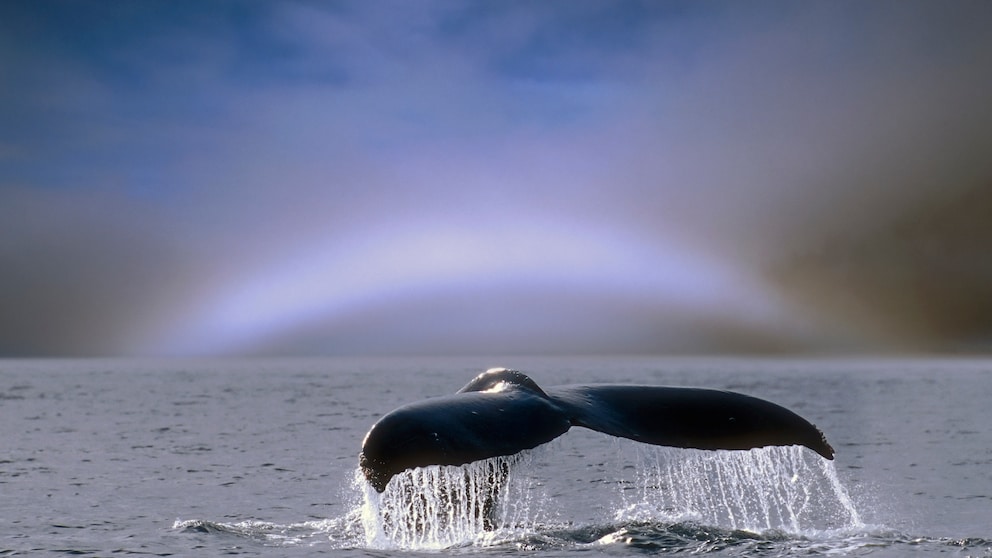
{"x":502,"y":412}
{"x":680,"y":417}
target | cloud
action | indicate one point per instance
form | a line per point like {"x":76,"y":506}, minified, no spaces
{"x":486,"y":177}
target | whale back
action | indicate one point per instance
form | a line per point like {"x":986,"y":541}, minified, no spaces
{"x":683,"y":417}
{"x":496,"y":379}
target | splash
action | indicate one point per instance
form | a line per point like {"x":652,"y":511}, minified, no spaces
{"x":439,"y":507}
{"x":786,"y":489}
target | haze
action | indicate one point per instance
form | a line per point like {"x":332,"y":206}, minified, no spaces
{"x":388,"y":177}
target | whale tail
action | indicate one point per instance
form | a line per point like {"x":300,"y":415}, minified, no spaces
{"x":503,"y":412}
{"x":682,"y":417}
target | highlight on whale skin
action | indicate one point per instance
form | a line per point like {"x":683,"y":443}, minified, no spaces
{"x":503,"y":412}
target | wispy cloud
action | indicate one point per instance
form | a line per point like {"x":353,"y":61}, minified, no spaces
{"x":596,"y":176}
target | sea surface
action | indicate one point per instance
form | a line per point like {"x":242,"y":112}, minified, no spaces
{"x":259,"y":457}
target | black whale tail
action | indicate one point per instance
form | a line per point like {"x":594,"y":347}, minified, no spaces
{"x":502,"y":412}
{"x":681,"y":417}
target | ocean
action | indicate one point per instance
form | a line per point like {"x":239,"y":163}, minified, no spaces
{"x":258,"y":457}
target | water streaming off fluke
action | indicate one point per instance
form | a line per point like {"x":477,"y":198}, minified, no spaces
{"x":443,"y":506}
{"x":785,"y":489}
{"x":788,"y":489}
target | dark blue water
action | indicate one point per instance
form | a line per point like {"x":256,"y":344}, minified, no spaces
{"x":258,"y":457}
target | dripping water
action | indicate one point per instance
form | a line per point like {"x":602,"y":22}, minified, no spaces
{"x":775,"y":489}
{"x":788,"y":489}
{"x":438,"y":507}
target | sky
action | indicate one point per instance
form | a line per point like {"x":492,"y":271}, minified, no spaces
{"x":181,"y":177}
